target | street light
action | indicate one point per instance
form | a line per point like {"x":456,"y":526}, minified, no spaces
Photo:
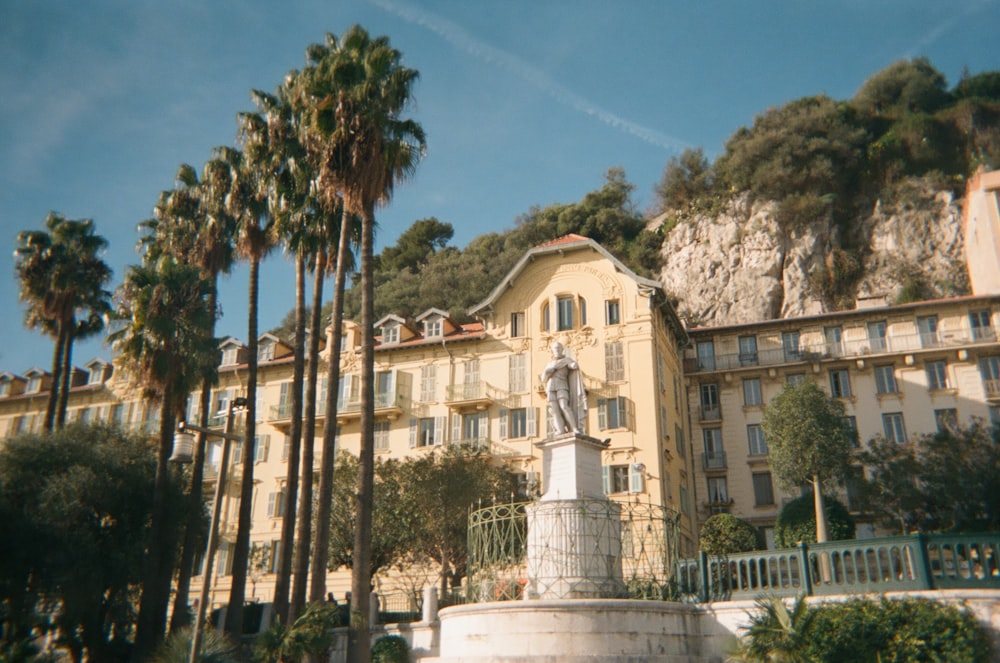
{"x":183,"y":447}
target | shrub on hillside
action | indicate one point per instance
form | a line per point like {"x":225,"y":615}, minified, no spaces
{"x":797,"y":522}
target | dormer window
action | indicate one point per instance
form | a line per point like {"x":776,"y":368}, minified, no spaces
{"x":4,"y":388}
{"x":265,"y":352}
{"x":432,"y":328}
{"x":34,"y":385}
{"x":96,"y":375}
{"x":229,"y":355}
{"x":390,"y":334}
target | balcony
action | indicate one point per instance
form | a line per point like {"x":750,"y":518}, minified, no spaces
{"x":844,"y":349}
{"x":715,"y":460}
{"x":388,"y":404}
{"x":992,"y":388}
{"x":281,"y":414}
{"x":708,"y":413}
{"x":473,"y":395}
{"x":485,"y":445}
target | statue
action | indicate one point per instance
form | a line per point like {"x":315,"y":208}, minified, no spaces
{"x":566,"y":396}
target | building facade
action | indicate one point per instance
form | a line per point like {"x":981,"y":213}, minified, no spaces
{"x":441,"y":383}
{"x":680,"y":409}
{"x":900,"y":371}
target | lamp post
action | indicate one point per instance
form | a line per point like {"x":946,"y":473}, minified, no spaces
{"x":183,"y":444}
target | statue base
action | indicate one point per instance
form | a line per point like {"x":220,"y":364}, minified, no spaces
{"x":574,"y":530}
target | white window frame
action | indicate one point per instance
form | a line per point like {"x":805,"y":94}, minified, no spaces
{"x":937,"y":374}
{"x":612,"y":312}
{"x":840,"y":383}
{"x":885,"y":379}
{"x":753,"y":394}
{"x":894,"y":427}
{"x":756,"y":441}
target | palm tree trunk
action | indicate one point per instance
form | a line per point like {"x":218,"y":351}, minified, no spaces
{"x":321,"y":545}
{"x":66,"y":379}
{"x":156,"y":565}
{"x":359,"y":643}
{"x":57,"y":362}
{"x":180,"y":617}
{"x":241,"y":548}
{"x":284,"y":561}
{"x":300,"y":581}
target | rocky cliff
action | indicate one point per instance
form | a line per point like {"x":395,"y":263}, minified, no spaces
{"x":739,"y":266}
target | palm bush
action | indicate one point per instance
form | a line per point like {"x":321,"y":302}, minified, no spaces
{"x":215,"y":648}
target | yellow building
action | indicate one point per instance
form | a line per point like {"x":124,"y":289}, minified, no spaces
{"x":900,"y":371}
{"x":441,"y":383}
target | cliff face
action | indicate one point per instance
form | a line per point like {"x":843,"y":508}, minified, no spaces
{"x":741,"y":267}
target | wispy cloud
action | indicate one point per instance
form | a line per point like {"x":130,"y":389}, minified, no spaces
{"x":946,"y":26}
{"x":461,"y":38}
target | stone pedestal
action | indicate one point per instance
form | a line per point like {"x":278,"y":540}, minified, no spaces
{"x":571,"y":467}
{"x":574,"y":537}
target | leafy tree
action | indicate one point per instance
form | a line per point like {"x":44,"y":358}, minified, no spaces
{"x":687,"y":181}
{"x":902,"y":88}
{"x":959,"y":477}
{"x":394,"y":517}
{"x":162,"y":337}
{"x":797,"y":521}
{"x":415,"y":245}
{"x":809,"y":442}
{"x":725,"y":534}
{"x":890,"y":488}
{"x":62,"y":280}
{"x":443,"y":488}
{"x":79,"y":501}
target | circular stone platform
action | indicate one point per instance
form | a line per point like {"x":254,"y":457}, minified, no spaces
{"x":567,"y":630}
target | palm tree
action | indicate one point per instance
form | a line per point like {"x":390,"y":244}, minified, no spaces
{"x":163,"y":318}
{"x":191,"y":224}
{"x":246,"y":201}
{"x":62,"y":281}
{"x":359,"y":95}
{"x":296,"y":220}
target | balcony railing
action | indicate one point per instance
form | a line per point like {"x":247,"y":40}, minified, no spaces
{"x":283,"y":411}
{"x":844,"y":349}
{"x":992,"y":388}
{"x":710,"y":413}
{"x":484,"y":445}
{"x":715,"y":460}
{"x":474,"y":393}
{"x":916,"y":562}
{"x":391,"y":402}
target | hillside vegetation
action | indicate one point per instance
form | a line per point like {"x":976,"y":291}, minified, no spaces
{"x":817,"y":178}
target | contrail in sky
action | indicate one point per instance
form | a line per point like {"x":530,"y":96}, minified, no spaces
{"x":461,"y":38}
{"x":940,"y":29}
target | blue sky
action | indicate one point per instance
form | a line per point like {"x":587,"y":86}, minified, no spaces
{"x":525,"y":103}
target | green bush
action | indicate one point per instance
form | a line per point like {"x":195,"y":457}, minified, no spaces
{"x":797,"y":522}
{"x":864,"y":631}
{"x":725,"y":534}
{"x":391,"y":649}
{"x":888,"y":631}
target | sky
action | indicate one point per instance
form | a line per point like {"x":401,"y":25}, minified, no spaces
{"x":525,"y":103}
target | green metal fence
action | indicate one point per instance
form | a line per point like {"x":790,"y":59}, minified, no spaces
{"x":899,"y":563}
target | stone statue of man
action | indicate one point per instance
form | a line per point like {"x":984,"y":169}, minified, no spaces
{"x":566,"y":396}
